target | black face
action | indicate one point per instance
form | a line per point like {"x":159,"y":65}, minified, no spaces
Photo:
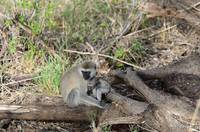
{"x":86,"y":75}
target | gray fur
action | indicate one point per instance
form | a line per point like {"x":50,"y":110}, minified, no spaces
{"x":74,"y":87}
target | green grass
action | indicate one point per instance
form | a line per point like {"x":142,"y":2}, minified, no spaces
{"x":62,"y":26}
{"x":38,"y":16}
{"x":120,"y":53}
{"x":12,"y":45}
{"x":137,"y":47}
{"x":106,"y":128}
{"x":86,"y":21}
{"x":51,"y":75}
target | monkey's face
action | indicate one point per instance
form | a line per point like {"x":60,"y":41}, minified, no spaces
{"x":88,"y":74}
{"x":88,"y":70}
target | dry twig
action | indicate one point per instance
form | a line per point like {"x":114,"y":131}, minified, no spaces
{"x":162,"y":31}
{"x":19,"y":81}
{"x":106,"y":56}
{"x":194,"y":7}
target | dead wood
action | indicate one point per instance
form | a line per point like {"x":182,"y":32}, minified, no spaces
{"x":189,"y":65}
{"x":122,"y":111}
{"x":182,"y":76}
{"x":45,"y":112}
{"x":46,"y":108}
{"x":53,"y":109}
{"x":130,"y":107}
{"x":169,"y":112}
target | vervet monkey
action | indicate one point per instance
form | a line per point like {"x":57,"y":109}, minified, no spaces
{"x":98,"y":87}
{"x":74,"y":85}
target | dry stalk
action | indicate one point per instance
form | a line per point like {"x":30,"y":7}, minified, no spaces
{"x":194,"y":7}
{"x":162,"y":31}
{"x":5,"y":43}
{"x":19,"y":81}
{"x":95,"y":57}
{"x":106,"y":56}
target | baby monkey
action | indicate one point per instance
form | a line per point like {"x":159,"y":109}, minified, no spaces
{"x":74,"y":85}
{"x":98,"y":87}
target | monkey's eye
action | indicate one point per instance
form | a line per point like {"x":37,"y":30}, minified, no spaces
{"x":86,"y":74}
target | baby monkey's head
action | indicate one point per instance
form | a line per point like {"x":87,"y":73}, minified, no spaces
{"x":88,"y":70}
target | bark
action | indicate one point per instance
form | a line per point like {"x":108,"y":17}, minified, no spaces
{"x":45,"y":112}
{"x":168,"y":112}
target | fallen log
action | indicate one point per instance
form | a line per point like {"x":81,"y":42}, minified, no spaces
{"x":45,"y":112}
{"x":188,"y":65}
{"x":169,"y":112}
{"x":181,"y":77}
{"x":58,"y":111}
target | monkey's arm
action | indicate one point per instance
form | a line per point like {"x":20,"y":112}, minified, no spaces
{"x":89,"y":101}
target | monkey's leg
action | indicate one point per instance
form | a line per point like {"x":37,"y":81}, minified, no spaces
{"x":89,"y":101}
{"x":73,"y":98}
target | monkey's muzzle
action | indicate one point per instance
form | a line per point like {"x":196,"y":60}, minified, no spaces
{"x":86,"y":75}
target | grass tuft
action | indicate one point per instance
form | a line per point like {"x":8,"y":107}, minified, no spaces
{"x":51,"y":74}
